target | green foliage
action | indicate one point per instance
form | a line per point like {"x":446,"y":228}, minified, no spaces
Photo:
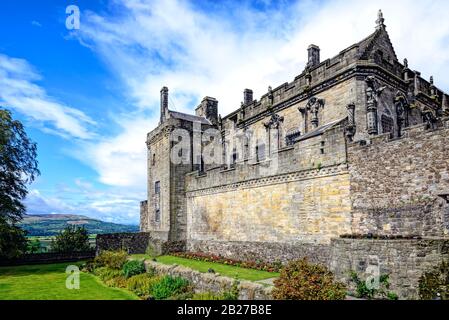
{"x":169,"y":286}
{"x":233,"y":293}
{"x":142,"y":284}
{"x":34,"y":246}
{"x":369,"y":291}
{"x":105,"y":273}
{"x":18,"y":167}
{"x":88,"y":266}
{"x":71,"y":239}
{"x":151,"y":251}
{"x":206,"y":296}
{"x":13,"y":242}
{"x":133,"y":267}
{"x":301,"y":280}
{"x":116,"y":282}
{"x":112,"y":259}
{"x":435,"y":283}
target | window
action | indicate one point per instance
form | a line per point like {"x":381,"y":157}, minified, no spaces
{"x":157,"y":215}
{"x":260,"y":152}
{"x":153,"y":162}
{"x":234,"y":158}
{"x":387,"y":125}
{"x":157,"y":187}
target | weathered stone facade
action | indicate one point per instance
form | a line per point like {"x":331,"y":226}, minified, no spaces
{"x":356,"y":144}
{"x":403,"y":260}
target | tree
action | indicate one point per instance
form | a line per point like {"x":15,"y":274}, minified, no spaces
{"x":71,"y":239}
{"x":34,"y":246}
{"x":12,"y":240}
{"x":18,"y":167}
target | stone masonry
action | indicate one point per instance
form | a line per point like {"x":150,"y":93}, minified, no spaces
{"x":354,"y":145}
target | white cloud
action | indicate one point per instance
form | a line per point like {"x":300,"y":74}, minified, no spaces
{"x":20,"y":92}
{"x":154,"y":43}
{"x":149,"y":44}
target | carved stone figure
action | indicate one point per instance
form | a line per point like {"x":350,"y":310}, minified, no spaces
{"x":351,"y":127}
{"x":401,"y":106}
{"x":373,"y":93}
{"x":429,"y":117}
{"x":314,"y":107}
{"x":274,"y":122}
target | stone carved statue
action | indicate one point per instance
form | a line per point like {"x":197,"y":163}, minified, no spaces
{"x":429,"y":117}
{"x":314,"y":105}
{"x":351,"y":127}
{"x":402,"y":106}
{"x":373,"y":93}
{"x":274,"y":122}
{"x":270,"y":96}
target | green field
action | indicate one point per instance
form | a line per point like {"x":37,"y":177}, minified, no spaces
{"x":47,"y":282}
{"x":222,"y":269}
{"x":45,"y":242}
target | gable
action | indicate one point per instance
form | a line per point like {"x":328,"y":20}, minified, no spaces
{"x":379,"y":48}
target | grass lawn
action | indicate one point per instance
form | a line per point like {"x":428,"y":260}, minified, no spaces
{"x":47,"y":282}
{"x":225,"y":270}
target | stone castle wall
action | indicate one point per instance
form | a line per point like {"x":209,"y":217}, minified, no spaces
{"x":304,"y":200}
{"x":396,"y":185}
{"x":405,"y":261}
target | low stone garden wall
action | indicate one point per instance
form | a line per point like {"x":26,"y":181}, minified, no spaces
{"x":137,"y":243}
{"x":263,"y":251}
{"x":403,"y":260}
{"x":210,"y":282}
{"x":46,"y":258}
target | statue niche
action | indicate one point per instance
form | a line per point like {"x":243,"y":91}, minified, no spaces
{"x":313,"y":107}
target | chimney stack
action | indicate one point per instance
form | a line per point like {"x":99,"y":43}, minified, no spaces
{"x":247,"y":97}
{"x":164,"y":104}
{"x":208,"y":109}
{"x":314,"y":56}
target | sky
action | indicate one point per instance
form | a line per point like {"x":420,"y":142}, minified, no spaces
{"x":89,"y":96}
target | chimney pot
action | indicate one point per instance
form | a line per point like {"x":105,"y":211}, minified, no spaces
{"x":248,"y":97}
{"x":314,"y":56}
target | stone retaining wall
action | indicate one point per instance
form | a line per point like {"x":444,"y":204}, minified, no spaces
{"x":264,"y":251}
{"x":209,"y":282}
{"x":51,"y":257}
{"x":403,"y":260}
{"x":137,"y":243}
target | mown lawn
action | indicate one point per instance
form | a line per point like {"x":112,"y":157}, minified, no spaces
{"x":48,"y":282}
{"x":222,"y":269}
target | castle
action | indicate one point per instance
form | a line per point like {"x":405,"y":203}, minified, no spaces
{"x":354,"y":149}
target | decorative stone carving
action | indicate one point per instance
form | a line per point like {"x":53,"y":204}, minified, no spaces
{"x":402,"y":110}
{"x":351,"y":127}
{"x":373,"y":92}
{"x":314,"y":107}
{"x":429,"y":117}
{"x":274,"y":122}
{"x":270,"y":97}
{"x":380,"y":20}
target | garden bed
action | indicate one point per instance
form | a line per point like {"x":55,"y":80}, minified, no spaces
{"x":205,"y":267}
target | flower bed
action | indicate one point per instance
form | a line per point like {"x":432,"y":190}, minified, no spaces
{"x":256,"y":265}
{"x":378,"y":237}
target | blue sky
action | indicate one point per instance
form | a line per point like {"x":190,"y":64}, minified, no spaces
{"x":89,"y":96}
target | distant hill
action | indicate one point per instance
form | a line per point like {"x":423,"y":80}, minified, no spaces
{"x":51,"y":224}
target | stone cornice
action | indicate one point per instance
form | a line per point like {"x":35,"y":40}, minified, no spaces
{"x":273,"y":180}
{"x":360,"y":69}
